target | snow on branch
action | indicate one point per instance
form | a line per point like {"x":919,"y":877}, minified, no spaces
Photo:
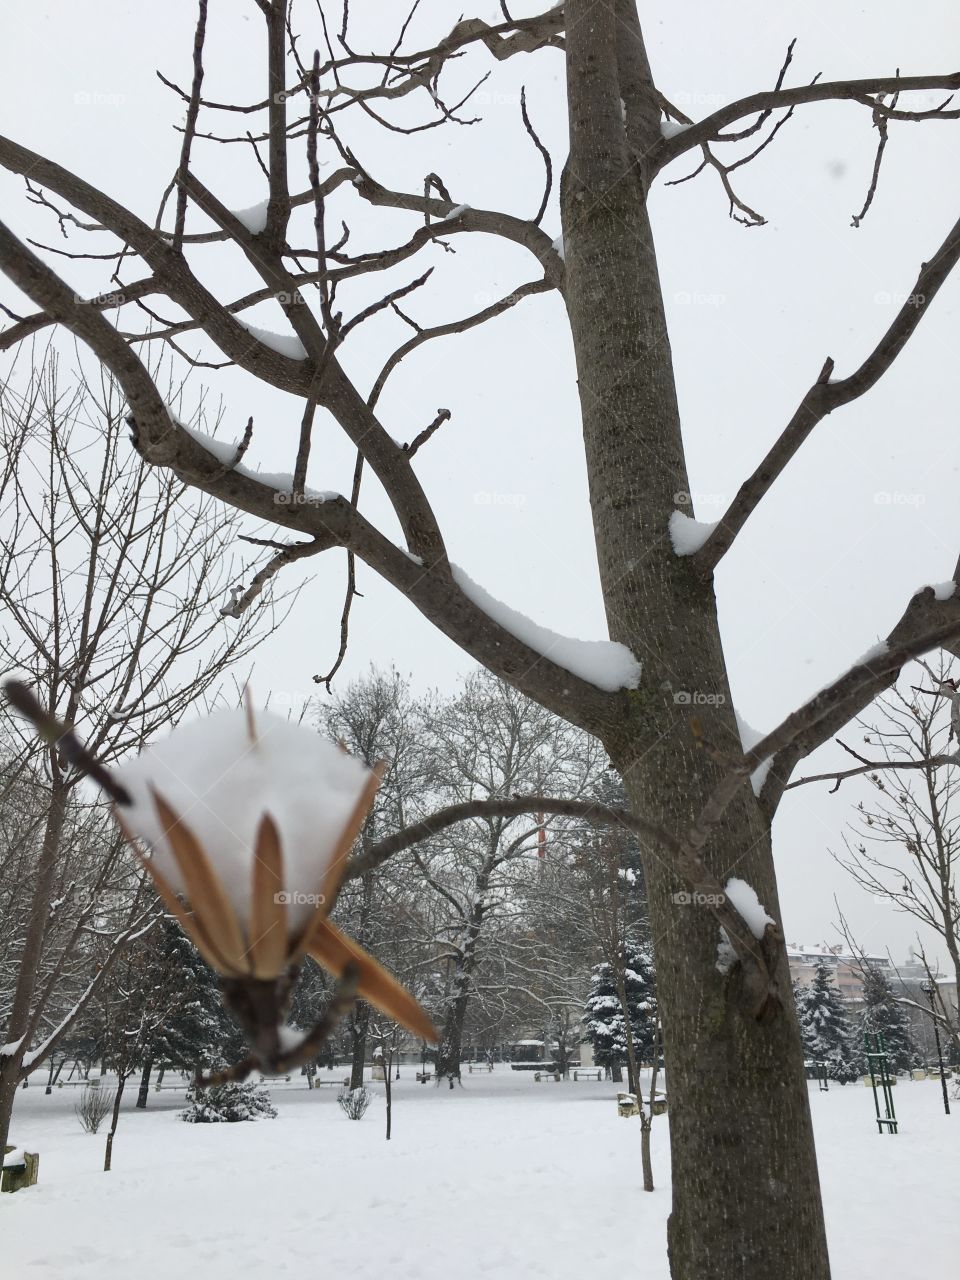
{"x":604,"y":663}
{"x":749,"y":737}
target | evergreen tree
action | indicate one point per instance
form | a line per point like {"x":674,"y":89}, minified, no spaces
{"x":197,"y":1029}
{"x":227,"y":1104}
{"x":603,"y":1021}
{"x":609,"y":790}
{"x":825,"y":1028}
{"x":882,"y":1015}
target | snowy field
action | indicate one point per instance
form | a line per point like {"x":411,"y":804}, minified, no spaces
{"x":504,"y":1177}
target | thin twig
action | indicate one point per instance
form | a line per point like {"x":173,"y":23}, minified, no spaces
{"x":193,"y":110}
{"x":443,"y":415}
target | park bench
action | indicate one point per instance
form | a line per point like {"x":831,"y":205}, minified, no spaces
{"x":423,"y":1077}
{"x":479,"y":1066}
{"x":538,"y":1076}
{"x":588,"y":1073}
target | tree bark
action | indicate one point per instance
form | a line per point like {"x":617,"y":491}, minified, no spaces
{"x":114,"y":1121}
{"x":633,"y":1067}
{"x":359,"y":1025}
{"x":32,"y":954}
{"x":739,"y":1115}
{"x":387,"y":1072}
{"x":646,"y":1117}
{"x":450,"y":1048}
{"x":144,"y":1091}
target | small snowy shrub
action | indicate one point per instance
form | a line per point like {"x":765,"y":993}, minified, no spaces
{"x":353,"y":1102}
{"x":227,"y":1104}
{"x":93,"y":1105}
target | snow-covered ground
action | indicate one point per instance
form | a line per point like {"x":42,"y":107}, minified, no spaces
{"x":504,"y":1177}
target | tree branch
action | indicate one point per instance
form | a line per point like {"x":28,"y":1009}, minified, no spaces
{"x":193,"y":110}
{"x":709,"y":129}
{"x":827,"y":394}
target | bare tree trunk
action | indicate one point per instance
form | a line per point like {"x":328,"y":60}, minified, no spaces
{"x":28,"y":972}
{"x":114,"y":1121}
{"x":450,"y":1049}
{"x":387,"y":1073}
{"x":633,"y":1073}
{"x":646,"y":1117}
{"x":739,"y":1115}
{"x":359,"y":1026}
{"x":360,"y":1021}
{"x":144,"y":1091}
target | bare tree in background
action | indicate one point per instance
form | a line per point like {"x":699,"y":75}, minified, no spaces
{"x":111,"y":585}
{"x":490,"y":741}
{"x":746,"y":1197}
{"x":904,"y":843}
{"x":376,"y":719}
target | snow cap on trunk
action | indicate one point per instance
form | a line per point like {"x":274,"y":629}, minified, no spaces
{"x":744,"y":898}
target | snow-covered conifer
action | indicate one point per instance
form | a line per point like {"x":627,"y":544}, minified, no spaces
{"x":603,"y":1021}
{"x":827,"y":1034}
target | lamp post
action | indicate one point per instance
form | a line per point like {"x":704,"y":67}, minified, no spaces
{"x":928,"y":990}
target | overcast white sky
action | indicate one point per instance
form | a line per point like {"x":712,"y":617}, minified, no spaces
{"x":868,"y":512}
